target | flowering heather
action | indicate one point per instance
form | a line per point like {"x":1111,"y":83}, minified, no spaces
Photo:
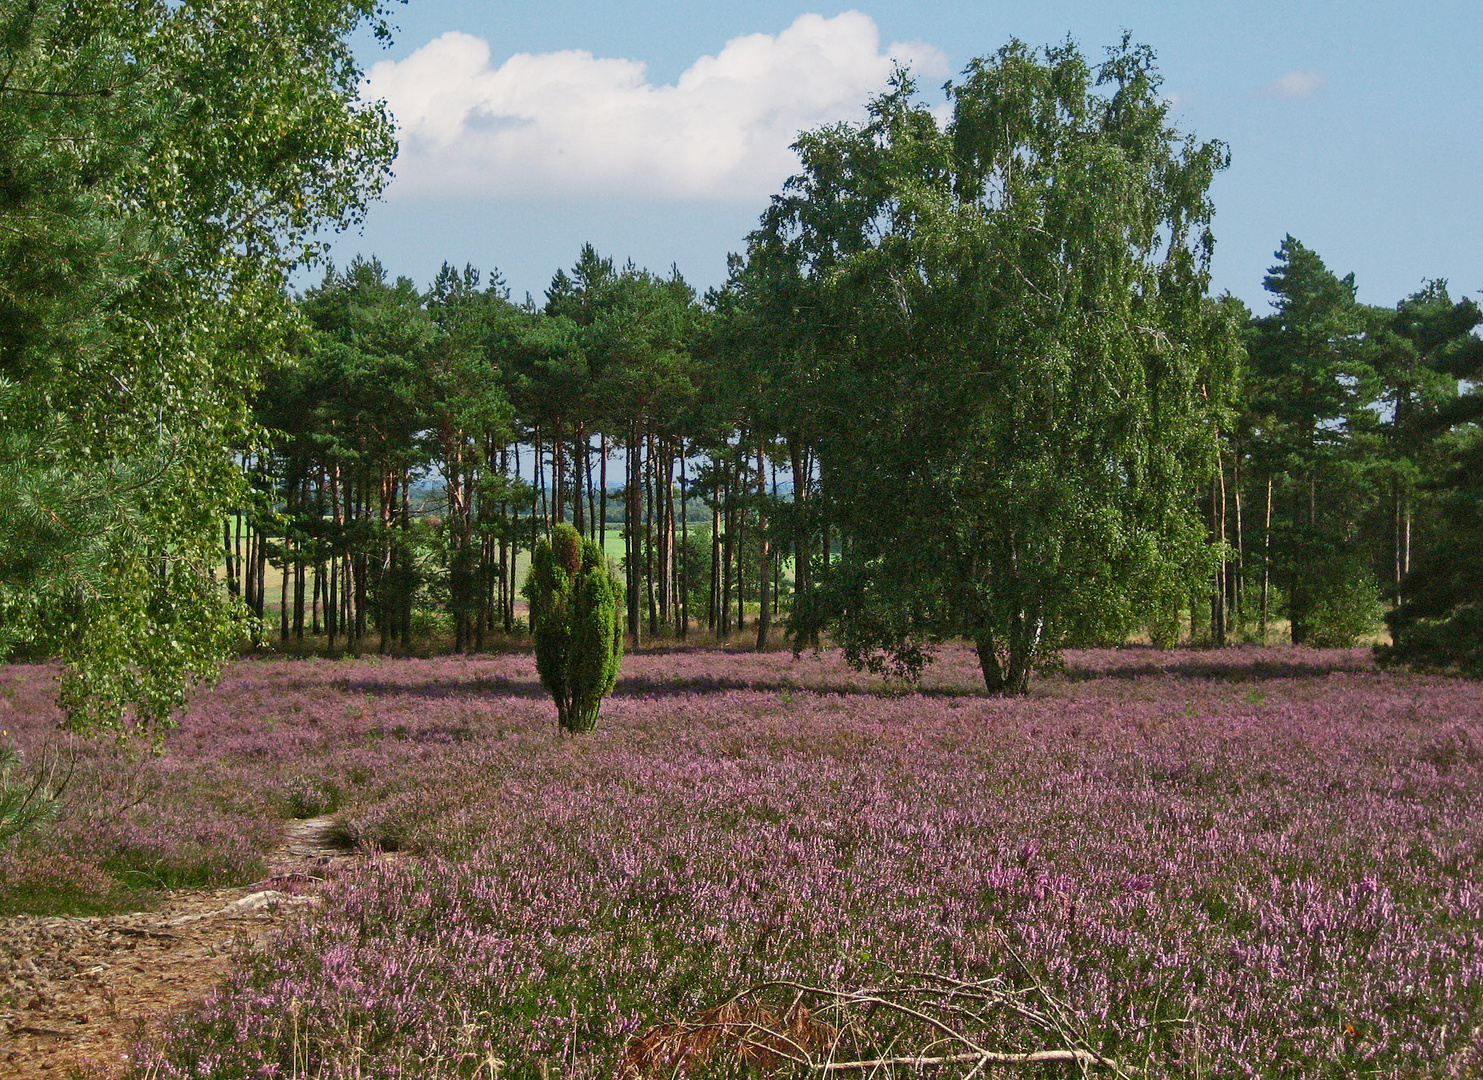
{"x":1254,"y":862}
{"x":129,"y":822}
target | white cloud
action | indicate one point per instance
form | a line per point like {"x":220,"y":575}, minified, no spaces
{"x":569,"y":123}
{"x":1296,"y":84}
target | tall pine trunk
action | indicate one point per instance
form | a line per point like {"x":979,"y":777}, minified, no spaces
{"x":662,"y":530}
{"x":1218,"y":533}
{"x":630,"y":534}
{"x":648,"y":535}
{"x":1266,"y":561}
{"x":728,"y":546}
{"x":684,"y":568}
{"x":713,"y":595}
{"x":764,"y":557}
{"x":1238,"y":585}
{"x":602,"y":513}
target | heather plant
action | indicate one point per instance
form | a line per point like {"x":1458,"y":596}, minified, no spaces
{"x":1242,"y":862}
{"x":574,"y":622}
{"x":50,"y":882}
{"x":131,"y":822}
{"x":310,"y":796}
{"x":1255,"y":862}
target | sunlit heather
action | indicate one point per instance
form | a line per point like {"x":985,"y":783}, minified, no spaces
{"x":1253,"y":862}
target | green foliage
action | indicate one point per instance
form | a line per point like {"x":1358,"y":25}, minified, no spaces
{"x":1452,"y":641}
{"x":1342,"y":598}
{"x":574,"y":620}
{"x":1312,"y":390}
{"x":28,"y":802}
{"x":1413,"y":349}
{"x":1310,"y":377}
{"x":164,"y":167}
{"x":1013,"y":307}
{"x":1165,"y":624}
{"x":85,"y":571}
{"x":1439,"y":624}
{"x":695,"y":560}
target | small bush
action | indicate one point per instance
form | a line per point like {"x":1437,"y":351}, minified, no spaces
{"x":1345,"y":614}
{"x":574,"y":617}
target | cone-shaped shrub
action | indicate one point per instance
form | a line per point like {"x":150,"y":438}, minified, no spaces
{"x":574,"y":620}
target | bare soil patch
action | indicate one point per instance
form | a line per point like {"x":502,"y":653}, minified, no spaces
{"x":76,"y":993}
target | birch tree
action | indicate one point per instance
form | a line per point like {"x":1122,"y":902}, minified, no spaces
{"x":1011,"y":309}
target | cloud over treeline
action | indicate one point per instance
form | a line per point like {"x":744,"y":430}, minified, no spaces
{"x":1295,"y":84}
{"x":569,"y":123}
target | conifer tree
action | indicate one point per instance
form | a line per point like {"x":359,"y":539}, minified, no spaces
{"x":1439,"y":623}
{"x":574,"y":619}
{"x":1312,"y":387}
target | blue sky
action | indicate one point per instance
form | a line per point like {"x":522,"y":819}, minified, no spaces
{"x":657,"y":131}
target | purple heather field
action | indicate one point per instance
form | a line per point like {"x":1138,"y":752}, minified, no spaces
{"x":1252,"y":862}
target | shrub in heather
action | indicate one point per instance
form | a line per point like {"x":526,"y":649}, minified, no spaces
{"x":1343,"y":602}
{"x":574,"y":622}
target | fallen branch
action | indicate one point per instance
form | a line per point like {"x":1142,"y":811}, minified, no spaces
{"x":935,"y":1020}
{"x":986,"y":1057}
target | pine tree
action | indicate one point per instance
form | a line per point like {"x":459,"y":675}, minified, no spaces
{"x":1311,"y":389}
{"x":1439,"y":623}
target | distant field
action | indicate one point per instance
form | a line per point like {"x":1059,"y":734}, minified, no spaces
{"x":1252,"y":862}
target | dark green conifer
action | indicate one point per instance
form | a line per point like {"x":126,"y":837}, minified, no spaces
{"x":1439,"y":623}
{"x":574,"y":603}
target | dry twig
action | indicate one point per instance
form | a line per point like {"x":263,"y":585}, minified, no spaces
{"x":923,"y":1021}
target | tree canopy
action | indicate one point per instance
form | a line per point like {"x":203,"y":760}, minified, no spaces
{"x":1019,"y":372}
{"x":165,"y":167}
{"x":967,"y":381}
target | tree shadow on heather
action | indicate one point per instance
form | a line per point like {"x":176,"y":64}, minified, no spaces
{"x":641,"y":686}
{"x":1219,"y":665}
{"x":1231,"y":665}
{"x":440,"y":689}
{"x":647,"y":686}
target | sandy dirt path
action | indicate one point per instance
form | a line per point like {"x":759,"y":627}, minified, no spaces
{"x":77,"y":993}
